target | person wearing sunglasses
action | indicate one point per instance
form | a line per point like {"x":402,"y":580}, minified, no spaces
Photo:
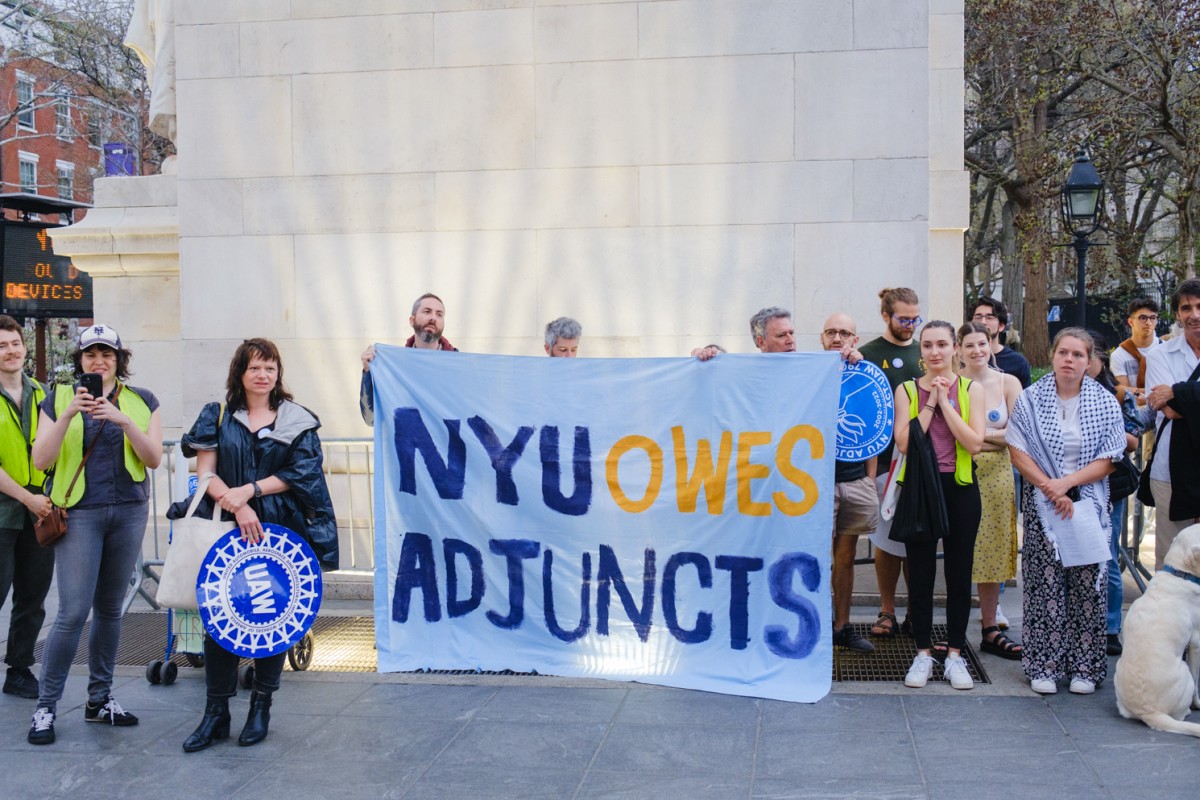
{"x":898,"y":355}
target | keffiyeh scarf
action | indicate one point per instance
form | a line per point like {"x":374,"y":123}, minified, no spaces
{"x":1036,"y":431}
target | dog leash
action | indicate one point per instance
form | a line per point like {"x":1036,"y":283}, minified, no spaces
{"x":1178,"y":573}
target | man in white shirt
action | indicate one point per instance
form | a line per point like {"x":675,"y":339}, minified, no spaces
{"x":1172,"y":370}
{"x":1128,"y":360}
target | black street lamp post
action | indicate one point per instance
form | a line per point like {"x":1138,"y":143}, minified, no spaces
{"x":1082,"y":197}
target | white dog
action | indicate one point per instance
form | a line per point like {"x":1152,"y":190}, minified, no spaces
{"x":1153,"y":683}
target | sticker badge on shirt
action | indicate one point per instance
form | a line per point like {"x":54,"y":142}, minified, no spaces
{"x":865,"y":413}
{"x":259,"y":600}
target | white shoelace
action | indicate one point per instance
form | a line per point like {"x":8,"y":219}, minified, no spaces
{"x":113,"y":708}
{"x":43,"y":719}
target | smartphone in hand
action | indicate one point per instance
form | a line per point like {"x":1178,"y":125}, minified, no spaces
{"x":92,"y":383}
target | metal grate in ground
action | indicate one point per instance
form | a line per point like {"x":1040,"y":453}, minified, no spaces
{"x":893,"y":657}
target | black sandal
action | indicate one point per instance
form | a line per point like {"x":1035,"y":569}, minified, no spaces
{"x":885,"y":625}
{"x":1000,"y":644}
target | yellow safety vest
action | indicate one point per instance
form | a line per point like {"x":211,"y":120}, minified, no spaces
{"x":70,"y":455}
{"x":15,"y":455}
{"x":963,"y":465}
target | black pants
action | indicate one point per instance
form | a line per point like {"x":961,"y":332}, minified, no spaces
{"x":27,"y":568}
{"x":963,"y":508}
{"x":221,"y":670}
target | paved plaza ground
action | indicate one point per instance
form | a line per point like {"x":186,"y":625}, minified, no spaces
{"x":369,"y":735}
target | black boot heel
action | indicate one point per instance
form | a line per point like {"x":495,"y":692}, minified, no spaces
{"x":257,"y":720}
{"x":213,"y":727}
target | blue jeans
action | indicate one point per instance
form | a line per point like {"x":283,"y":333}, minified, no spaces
{"x":28,"y":569}
{"x":1116,"y":592}
{"x":95,"y":561}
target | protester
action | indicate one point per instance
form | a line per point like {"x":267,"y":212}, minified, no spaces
{"x":772,"y":330}
{"x":1065,"y":433}
{"x":428,"y":320}
{"x":562,"y":338}
{"x":265,"y":455}
{"x":993,"y":315}
{"x":893,"y":352}
{"x":1128,"y":360}
{"x":995,"y":559}
{"x":1099,"y":371}
{"x":114,"y":437}
{"x":1173,"y":373}
{"x":855,"y":502}
{"x":25,"y":567}
{"x":950,"y":409}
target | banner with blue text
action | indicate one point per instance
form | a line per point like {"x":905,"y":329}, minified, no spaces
{"x":658,"y":520}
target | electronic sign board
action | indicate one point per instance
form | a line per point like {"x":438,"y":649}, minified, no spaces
{"x":37,"y":283}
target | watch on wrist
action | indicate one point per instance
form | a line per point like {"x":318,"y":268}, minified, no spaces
{"x":257,"y":489}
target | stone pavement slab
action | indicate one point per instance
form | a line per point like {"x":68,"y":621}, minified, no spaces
{"x":411,"y":736}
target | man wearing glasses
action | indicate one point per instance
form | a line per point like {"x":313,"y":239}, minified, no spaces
{"x":855,"y":502}
{"x":993,"y":315}
{"x":897,"y":353}
{"x":1129,"y":359}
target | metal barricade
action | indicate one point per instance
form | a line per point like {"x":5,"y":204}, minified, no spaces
{"x":349,"y":471}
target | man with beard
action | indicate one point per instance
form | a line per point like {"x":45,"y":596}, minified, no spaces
{"x":897,"y":353}
{"x":427,"y":321}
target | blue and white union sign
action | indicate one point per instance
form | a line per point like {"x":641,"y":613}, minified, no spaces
{"x":865,"y":412}
{"x":259,"y":600}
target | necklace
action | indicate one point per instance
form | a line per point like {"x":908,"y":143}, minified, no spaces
{"x":1068,"y":408}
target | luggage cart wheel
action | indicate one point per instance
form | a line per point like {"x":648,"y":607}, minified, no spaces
{"x":300,"y":655}
{"x":170,"y":671}
{"x":154,"y":672}
{"x":195,"y":660}
{"x":247,"y":677}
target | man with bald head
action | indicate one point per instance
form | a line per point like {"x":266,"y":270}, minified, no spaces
{"x":855,"y":501}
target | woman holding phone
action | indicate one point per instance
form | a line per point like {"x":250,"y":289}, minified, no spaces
{"x":107,"y":433}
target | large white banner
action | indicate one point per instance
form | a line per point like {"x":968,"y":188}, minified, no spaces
{"x":657,"y":520}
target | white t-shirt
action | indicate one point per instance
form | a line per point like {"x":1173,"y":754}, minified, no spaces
{"x":1170,"y":363}
{"x":1126,"y":366}
{"x":1072,"y":436}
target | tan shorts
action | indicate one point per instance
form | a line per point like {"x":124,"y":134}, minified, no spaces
{"x":855,"y":507}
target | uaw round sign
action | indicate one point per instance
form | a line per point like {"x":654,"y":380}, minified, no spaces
{"x":257,"y":600}
{"x":865,"y":412}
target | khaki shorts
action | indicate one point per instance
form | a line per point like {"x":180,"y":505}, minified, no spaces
{"x":855,"y":507}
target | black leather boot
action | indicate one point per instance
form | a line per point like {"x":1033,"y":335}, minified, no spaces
{"x":257,"y":720}
{"x":213,"y":727}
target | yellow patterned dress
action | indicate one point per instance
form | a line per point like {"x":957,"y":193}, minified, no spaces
{"x":996,"y":544}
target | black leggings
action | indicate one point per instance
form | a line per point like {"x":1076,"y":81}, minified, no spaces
{"x":963,"y":508}
{"x":221,"y":671}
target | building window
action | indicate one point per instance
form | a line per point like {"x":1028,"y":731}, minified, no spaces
{"x":66,"y":181}
{"x":95,"y":132}
{"x":28,"y":176}
{"x":62,"y":118}
{"x":25,"y":102}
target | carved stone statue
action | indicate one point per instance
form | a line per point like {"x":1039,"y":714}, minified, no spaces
{"x":151,"y":35}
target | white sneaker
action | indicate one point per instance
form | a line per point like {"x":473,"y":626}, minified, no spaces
{"x":955,"y":670}
{"x":1044,"y":686}
{"x":1082,"y":686}
{"x":919,"y":672}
